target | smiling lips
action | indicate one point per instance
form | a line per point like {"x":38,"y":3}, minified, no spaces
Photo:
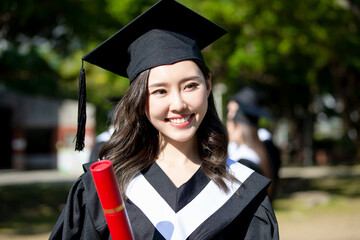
{"x":180,"y":122}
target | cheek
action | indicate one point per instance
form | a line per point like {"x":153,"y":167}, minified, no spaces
{"x":200,"y":105}
{"x":232,"y":108}
{"x":155,"y":109}
{"x":199,"y":100}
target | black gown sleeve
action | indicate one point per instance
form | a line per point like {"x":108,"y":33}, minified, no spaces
{"x":264,"y":224}
{"x":82,"y":217}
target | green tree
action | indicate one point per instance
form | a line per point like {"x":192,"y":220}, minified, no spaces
{"x":41,"y":45}
{"x":295,"y":52}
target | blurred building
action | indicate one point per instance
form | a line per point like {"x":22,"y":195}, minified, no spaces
{"x":39,"y":133}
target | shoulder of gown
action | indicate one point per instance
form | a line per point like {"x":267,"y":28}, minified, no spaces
{"x":255,"y":217}
{"x":255,"y":222}
{"x":82,"y":217}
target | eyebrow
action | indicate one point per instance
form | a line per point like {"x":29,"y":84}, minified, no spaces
{"x":165,"y":83}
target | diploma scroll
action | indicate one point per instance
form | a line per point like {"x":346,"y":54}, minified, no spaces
{"x":110,"y":199}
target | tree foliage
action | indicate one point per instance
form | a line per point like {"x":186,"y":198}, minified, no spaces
{"x":294,"y":52}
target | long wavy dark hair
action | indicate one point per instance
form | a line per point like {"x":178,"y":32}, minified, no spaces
{"x":134,"y":144}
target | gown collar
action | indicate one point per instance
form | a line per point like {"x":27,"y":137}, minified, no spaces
{"x":176,"y":197}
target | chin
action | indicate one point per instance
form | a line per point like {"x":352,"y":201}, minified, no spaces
{"x":180,"y":139}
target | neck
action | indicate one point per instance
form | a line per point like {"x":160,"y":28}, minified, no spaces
{"x":179,"y":160}
{"x":178,"y":153}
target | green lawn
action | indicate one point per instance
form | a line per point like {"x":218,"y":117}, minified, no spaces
{"x":319,"y":208}
{"x":33,"y":208}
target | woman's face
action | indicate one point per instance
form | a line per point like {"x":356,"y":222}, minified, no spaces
{"x":177,"y":100}
{"x":233,"y":128}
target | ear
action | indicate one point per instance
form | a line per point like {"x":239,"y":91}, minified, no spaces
{"x":208,"y":85}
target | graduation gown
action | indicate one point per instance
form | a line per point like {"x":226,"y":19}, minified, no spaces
{"x":244,"y":155}
{"x":157,"y":209}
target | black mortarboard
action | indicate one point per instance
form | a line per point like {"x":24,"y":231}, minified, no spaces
{"x":251,"y":106}
{"x":166,"y":33}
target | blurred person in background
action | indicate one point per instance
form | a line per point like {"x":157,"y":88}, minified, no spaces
{"x":249,"y":144}
{"x":105,"y":135}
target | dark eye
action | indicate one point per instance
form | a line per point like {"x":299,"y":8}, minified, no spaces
{"x":191,"y":85}
{"x":159,"y":91}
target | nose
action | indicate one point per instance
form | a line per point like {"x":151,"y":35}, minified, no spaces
{"x":177,"y":102}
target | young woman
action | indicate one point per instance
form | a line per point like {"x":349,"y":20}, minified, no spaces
{"x":245,"y":143}
{"x":169,"y":146}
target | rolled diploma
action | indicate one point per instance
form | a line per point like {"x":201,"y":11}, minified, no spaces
{"x":110,"y":199}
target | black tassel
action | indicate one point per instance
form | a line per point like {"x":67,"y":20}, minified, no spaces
{"x":80,"y":135}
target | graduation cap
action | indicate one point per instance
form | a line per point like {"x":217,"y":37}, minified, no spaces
{"x":251,"y":104}
{"x":166,"y":33}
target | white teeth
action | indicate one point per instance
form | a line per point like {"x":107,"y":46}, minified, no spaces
{"x":179,"y":120}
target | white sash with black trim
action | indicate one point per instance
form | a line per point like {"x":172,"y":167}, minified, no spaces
{"x":179,"y":225}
